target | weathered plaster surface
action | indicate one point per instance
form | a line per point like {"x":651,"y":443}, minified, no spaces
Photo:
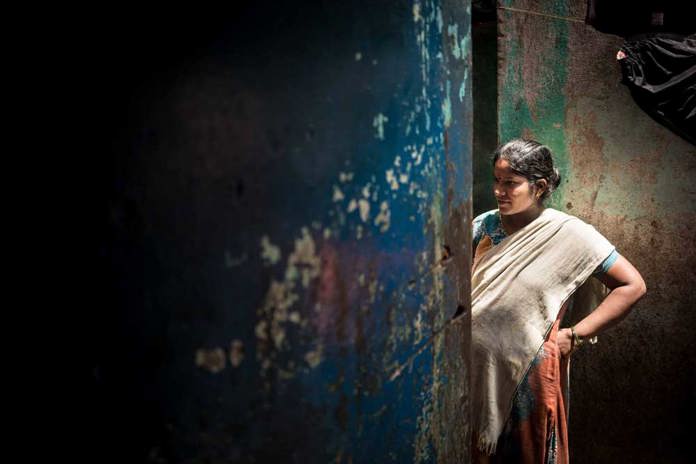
{"x":633,"y":180}
{"x":298,"y":187}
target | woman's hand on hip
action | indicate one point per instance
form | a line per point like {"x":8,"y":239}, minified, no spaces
{"x":564,"y":340}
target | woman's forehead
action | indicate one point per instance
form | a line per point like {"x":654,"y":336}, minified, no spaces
{"x":502,"y":167}
{"x":502,"y":164}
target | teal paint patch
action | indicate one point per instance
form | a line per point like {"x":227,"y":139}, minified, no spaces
{"x":462,"y":88}
{"x":465,"y":45}
{"x":453,"y":32}
{"x":532,"y":80}
{"x":378,"y":123}
{"x":447,"y":107}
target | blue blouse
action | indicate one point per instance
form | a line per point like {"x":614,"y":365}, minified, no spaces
{"x":489,"y":224}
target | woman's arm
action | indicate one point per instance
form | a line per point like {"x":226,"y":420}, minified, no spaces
{"x":627,"y":287}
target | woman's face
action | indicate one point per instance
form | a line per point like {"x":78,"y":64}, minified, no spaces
{"x":512,"y":191}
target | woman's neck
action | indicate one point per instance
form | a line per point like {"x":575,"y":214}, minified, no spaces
{"x":513,"y":222}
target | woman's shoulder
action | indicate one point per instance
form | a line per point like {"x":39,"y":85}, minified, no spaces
{"x":580,"y":229}
{"x":555,"y":215}
{"x":487,"y":217}
{"x":488,"y":223}
{"x":558,"y":214}
{"x":567,"y":217}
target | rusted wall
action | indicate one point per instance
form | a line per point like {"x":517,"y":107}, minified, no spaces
{"x":283,"y":183}
{"x":633,"y":394}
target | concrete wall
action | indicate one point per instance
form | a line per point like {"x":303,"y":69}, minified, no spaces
{"x":279,"y":186}
{"x":633,"y":395}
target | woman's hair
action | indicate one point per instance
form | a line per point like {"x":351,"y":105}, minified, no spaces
{"x":532,"y":160}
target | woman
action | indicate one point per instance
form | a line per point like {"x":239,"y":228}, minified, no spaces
{"x":531,"y":264}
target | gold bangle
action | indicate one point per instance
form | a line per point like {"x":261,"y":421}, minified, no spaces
{"x":577,"y":341}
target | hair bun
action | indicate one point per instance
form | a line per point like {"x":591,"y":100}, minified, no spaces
{"x":555,"y":179}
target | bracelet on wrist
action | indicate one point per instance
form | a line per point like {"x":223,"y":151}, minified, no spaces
{"x":576,"y":340}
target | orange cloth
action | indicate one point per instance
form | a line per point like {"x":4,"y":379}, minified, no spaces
{"x":537,"y":429}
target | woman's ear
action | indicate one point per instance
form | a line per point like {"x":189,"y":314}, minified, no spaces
{"x":541,"y":186}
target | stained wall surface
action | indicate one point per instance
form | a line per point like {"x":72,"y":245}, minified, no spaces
{"x":634,"y":393}
{"x":286,"y":207}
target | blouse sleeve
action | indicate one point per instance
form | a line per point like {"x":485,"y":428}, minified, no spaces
{"x":607,"y":263}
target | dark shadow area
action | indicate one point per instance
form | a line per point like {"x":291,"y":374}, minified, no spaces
{"x":485,"y":92}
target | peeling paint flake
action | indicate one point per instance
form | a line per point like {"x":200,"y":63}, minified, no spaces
{"x":417,"y":12}
{"x":417,"y":155}
{"x":447,"y":107}
{"x":261,"y":330}
{"x":337,"y":194}
{"x":269,"y":252}
{"x":236,"y":352}
{"x":304,"y":259}
{"x":453,"y":31}
{"x":279,"y":298}
{"x":364,"y":206}
{"x":418,"y":326}
{"x":211,"y":360}
{"x":231,"y":261}
{"x":378,"y":123}
{"x":464,"y":45}
{"x":313,"y":358}
{"x":391,"y":179}
{"x":462,"y":88}
{"x":383,"y":219}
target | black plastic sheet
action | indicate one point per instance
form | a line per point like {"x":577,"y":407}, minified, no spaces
{"x":660,"y":70}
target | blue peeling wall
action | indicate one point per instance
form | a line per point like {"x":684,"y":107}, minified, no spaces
{"x":286,"y":206}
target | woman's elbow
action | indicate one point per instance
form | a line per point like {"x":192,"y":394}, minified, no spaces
{"x":640,"y":289}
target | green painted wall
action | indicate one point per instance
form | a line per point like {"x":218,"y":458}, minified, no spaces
{"x":632,"y":395}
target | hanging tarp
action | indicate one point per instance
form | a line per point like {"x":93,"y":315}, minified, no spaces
{"x":660,"y":70}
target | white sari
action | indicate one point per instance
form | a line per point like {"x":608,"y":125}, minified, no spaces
{"x":518,"y":289}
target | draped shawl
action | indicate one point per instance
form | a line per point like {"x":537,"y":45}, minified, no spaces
{"x":518,"y":289}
